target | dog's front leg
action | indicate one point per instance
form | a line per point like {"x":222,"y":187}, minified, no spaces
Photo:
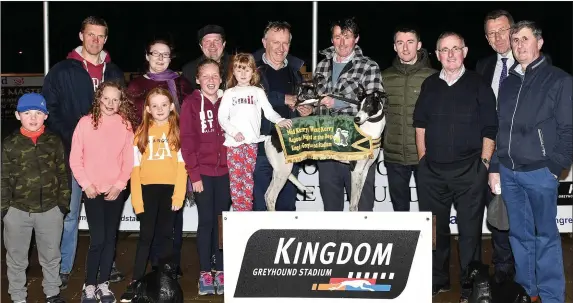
{"x":358,"y":177}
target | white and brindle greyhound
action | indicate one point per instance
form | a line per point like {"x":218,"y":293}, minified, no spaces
{"x":370,"y":119}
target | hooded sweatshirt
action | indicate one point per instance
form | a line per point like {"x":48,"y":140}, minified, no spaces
{"x":96,"y":71}
{"x":202,"y":137}
{"x":69,"y":91}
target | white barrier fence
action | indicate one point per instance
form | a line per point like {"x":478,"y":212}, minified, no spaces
{"x":313,"y":202}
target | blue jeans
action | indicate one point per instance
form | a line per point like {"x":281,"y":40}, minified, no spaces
{"x":262,"y":177}
{"x":70,"y":234}
{"x":531,"y":200}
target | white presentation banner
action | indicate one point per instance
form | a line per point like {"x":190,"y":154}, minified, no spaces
{"x":313,"y":202}
{"x":327,"y":257}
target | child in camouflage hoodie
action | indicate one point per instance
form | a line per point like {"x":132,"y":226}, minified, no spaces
{"x":35,"y":196}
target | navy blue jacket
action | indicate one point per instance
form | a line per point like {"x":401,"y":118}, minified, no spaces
{"x":277,"y":99}
{"x":535,"y":124}
{"x":69,"y":93}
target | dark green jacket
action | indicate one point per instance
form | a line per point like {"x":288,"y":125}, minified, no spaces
{"x":402,"y":83}
{"x":34,"y":177}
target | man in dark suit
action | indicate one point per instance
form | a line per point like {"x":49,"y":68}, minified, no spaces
{"x":494,"y":70}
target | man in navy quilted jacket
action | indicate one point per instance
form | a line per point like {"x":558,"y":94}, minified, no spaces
{"x":534,"y":146}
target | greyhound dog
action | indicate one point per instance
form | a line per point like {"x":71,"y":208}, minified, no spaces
{"x":370,"y":119}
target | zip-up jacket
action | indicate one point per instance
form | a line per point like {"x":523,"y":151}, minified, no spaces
{"x":69,"y":92}
{"x":202,"y":137}
{"x":34,"y":177}
{"x":403,"y":83}
{"x":535,"y":124}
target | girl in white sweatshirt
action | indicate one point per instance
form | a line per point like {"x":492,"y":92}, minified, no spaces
{"x":240,"y":118}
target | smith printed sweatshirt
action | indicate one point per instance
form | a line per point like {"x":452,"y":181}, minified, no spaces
{"x":160,"y":164}
{"x":240,"y":112}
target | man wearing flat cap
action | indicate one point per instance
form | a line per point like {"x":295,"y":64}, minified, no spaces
{"x":211,"y":40}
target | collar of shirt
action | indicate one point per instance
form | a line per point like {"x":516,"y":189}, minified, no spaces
{"x":443,"y":76}
{"x":265,"y":61}
{"x":345,"y":60}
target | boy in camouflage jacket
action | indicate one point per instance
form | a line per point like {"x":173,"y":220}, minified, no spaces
{"x":35,"y":196}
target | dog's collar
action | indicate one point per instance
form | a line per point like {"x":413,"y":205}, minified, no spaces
{"x":376,"y":119}
{"x":376,"y":143}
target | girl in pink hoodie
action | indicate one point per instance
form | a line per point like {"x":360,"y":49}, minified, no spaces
{"x":101,"y":160}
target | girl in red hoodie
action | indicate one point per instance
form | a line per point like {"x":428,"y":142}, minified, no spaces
{"x":205,"y":158}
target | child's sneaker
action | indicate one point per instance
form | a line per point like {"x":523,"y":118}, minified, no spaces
{"x":129,"y":293}
{"x":206,"y":284}
{"x":220,"y":282}
{"x":104,"y":294}
{"x":88,"y":294}
{"x":55,"y":299}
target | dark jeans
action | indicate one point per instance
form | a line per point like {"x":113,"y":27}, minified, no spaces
{"x":177,"y":241}
{"x":463,"y":185}
{"x":156,"y":224}
{"x":103,"y":220}
{"x":399,"y":184}
{"x":502,"y":257}
{"x":211,"y":202}
{"x":262,"y":176}
{"x":334,"y":177}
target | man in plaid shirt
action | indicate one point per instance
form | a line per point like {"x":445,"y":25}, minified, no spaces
{"x":345,"y":72}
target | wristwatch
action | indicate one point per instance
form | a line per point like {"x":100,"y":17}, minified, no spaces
{"x":485,"y":161}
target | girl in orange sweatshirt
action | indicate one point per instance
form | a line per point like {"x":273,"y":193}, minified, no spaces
{"x":158,"y":180}
{"x":101,"y":160}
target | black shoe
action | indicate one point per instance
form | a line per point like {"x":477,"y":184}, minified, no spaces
{"x":129,"y":293}
{"x":436,"y":289}
{"x":65,"y":279}
{"x":502,"y":276}
{"x":55,"y":299}
{"x":115,"y":275}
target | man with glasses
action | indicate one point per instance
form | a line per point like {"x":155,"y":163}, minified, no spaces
{"x":494,"y":70}
{"x":280,"y":76}
{"x":456,"y":125}
{"x":212,"y":42}
{"x":534,"y":146}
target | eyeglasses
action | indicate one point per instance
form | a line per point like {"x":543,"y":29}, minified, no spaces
{"x":157,"y":54}
{"x":454,"y":49}
{"x":499,"y":32}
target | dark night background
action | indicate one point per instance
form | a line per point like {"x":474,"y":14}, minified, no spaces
{"x":132,"y":24}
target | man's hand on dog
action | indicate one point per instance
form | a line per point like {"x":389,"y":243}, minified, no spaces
{"x":290,"y":100}
{"x":239,"y":137}
{"x":304,"y":110}
{"x":286,"y":123}
{"x":327,"y":101}
{"x":197,"y":186}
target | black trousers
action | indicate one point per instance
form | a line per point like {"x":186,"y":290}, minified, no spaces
{"x":155,"y":252}
{"x":399,"y":184}
{"x":463,"y":185}
{"x":211,"y":202}
{"x":156,"y":224}
{"x":334,"y":177}
{"x":103,"y":220}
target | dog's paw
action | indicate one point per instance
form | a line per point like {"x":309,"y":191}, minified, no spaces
{"x":353,"y":208}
